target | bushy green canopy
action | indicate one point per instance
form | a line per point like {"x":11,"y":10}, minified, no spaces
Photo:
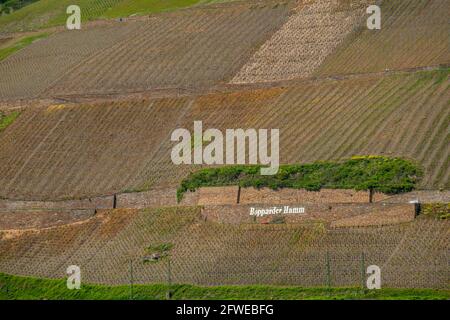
{"x":384,"y":174}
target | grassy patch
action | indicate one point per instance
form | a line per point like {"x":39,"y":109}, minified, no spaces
{"x":139,"y":7}
{"x":436,"y":210}
{"x":50,"y":13}
{"x":6,"y":120}
{"x":22,"y":43}
{"x":7,"y":5}
{"x":158,"y":252}
{"x":18,"y":288}
{"x":438,"y":76}
{"x":384,"y":174}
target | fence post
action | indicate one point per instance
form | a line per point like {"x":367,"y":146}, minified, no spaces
{"x":169,"y":279}
{"x":371,"y":192}
{"x":238,"y":195}
{"x":131,"y":279}
{"x":328,"y":270}
{"x":363,"y":271}
{"x":417,"y":208}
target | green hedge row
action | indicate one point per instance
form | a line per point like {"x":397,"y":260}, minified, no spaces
{"x":384,"y":174}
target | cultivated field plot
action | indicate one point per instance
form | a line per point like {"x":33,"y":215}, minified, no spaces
{"x":414,"y":33}
{"x":237,"y":42}
{"x":192,"y":48}
{"x":312,"y":32}
{"x":33,"y":69}
{"x":51,"y":13}
{"x":189,"y":48}
{"x":325,"y":38}
{"x":85,"y":150}
{"x":78,"y":147}
{"x":410,"y":255}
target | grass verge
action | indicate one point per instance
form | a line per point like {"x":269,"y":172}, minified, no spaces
{"x":51,"y":13}
{"x":6,"y":120}
{"x":436,"y":210}
{"x":29,"y":288}
{"x":22,"y":43}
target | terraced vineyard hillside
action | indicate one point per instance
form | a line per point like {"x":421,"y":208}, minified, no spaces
{"x":50,"y":13}
{"x":90,"y":112}
{"x":411,"y":255}
{"x":206,"y":47}
{"x":414,"y":34}
{"x":326,"y":38}
{"x":187,"y":48}
{"x":312,"y":32}
{"x":92,"y":149}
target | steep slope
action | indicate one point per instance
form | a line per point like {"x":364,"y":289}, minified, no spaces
{"x":312,"y":32}
{"x":414,"y":33}
{"x":327,"y":38}
{"x":410,"y":255}
{"x":191,"y":48}
{"x":50,"y":13}
{"x":78,"y":150}
{"x":208,"y":46}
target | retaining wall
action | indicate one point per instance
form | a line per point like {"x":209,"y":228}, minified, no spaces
{"x":422,"y":196}
{"x":265,"y":195}
{"x":230,"y":195}
{"x":347,"y":214}
{"x":155,"y":198}
{"x":224,"y":196}
{"x":105,"y":202}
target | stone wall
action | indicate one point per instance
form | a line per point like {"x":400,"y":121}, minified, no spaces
{"x":155,"y":198}
{"x":218,"y":195}
{"x":265,"y":195}
{"x":231,"y":195}
{"x":105,"y":202}
{"x":423,"y":196}
{"x":329,"y":213}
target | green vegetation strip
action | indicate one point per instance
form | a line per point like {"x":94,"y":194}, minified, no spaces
{"x":50,"y":13}
{"x":139,"y":7}
{"x":7,"y":5}
{"x":384,"y":174}
{"x":6,"y":120}
{"x":29,"y":288}
{"x":436,"y":210}
{"x":22,"y":43}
